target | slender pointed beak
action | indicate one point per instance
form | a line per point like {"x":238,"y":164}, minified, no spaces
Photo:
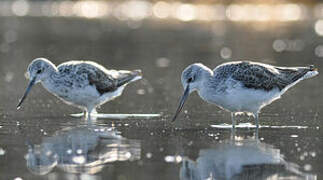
{"x":182,"y":101}
{"x":31,"y":83}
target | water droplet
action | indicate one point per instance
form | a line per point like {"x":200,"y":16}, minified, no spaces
{"x":169,"y":158}
{"x":319,"y":27}
{"x":20,"y":7}
{"x":173,"y":159}
{"x":48,"y":153}
{"x":128,"y":155}
{"x":178,"y":158}
{"x":186,"y":12}
{"x":2,"y":152}
{"x":79,"y":151}
{"x":302,"y":158}
{"x":313,"y":154}
{"x":141,"y":92}
{"x":79,"y":159}
{"x":69,"y":151}
{"x":149,"y":155}
{"x":307,"y":167}
{"x":162,"y":9}
{"x":226,"y":53}
{"x":162,"y":62}
{"x":319,"y":51}
{"x":279,"y":45}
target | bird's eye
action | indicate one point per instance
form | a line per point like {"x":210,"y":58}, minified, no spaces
{"x":39,"y":71}
{"x":190,"y":80}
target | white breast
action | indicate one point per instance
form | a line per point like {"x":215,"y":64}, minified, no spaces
{"x":237,"y":98}
{"x":85,"y":96}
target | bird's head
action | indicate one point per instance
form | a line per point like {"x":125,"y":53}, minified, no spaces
{"x":38,"y":70}
{"x":192,"y":80}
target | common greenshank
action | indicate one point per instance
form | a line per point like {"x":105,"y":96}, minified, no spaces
{"x":84,"y":84}
{"x":242,"y":86}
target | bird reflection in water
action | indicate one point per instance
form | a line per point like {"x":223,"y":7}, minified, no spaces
{"x":81,"y":150}
{"x":243,"y":159}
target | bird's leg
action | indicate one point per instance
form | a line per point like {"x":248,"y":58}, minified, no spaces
{"x":257,"y":134}
{"x":257,"y":120}
{"x":233,"y":133}
{"x":91,"y":114}
{"x":88,"y":114}
{"x":257,"y":126}
{"x":94,"y":111}
{"x":233,"y":121}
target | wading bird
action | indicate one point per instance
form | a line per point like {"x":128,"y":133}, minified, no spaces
{"x":84,"y":84}
{"x":242,"y":86}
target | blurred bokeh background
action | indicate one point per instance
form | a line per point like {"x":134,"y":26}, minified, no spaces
{"x":161,"y":38}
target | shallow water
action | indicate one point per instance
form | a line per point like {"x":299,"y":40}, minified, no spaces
{"x":42,"y":140}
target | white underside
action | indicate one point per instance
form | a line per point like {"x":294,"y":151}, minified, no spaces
{"x":245,"y":100}
{"x":86,"y":98}
{"x":110,"y":96}
{"x":240,"y":99}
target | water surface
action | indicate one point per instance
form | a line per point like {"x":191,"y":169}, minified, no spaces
{"x":42,"y":140}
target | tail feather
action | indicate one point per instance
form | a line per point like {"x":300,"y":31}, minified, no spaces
{"x":299,"y":74}
{"x":305,"y":73}
{"x":290,"y":76}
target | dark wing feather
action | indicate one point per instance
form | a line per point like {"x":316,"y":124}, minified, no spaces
{"x":104,"y":80}
{"x":293,"y":74}
{"x":266,"y":77}
{"x":256,"y":76}
{"x":111,"y":80}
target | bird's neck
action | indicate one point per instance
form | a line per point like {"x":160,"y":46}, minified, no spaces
{"x":202,"y":78}
{"x":51,"y":80}
{"x":206,"y":75}
{"x":210,"y":83}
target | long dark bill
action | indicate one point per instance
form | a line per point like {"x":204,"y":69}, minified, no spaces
{"x":182,"y":101}
{"x":31,"y":83}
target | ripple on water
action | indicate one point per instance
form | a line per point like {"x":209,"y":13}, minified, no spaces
{"x":249,"y":125}
{"x":119,"y":116}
